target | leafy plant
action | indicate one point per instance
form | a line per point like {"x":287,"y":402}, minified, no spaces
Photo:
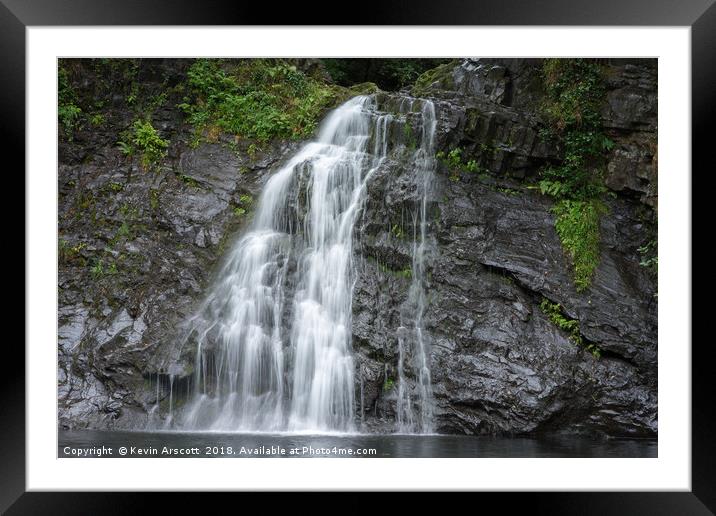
{"x":577,"y":225}
{"x":97,"y":269}
{"x":571,"y":326}
{"x":126,"y":148}
{"x":146,"y":139}
{"x":68,"y":112}
{"x":69,"y":115}
{"x":98,"y":119}
{"x":245,"y":202}
{"x":649,"y":255}
{"x":388,"y":384}
{"x":455,"y":162}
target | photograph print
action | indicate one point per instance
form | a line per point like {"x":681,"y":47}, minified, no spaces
{"x":357,"y":257}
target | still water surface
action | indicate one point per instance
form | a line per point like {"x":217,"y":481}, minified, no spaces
{"x":201,"y":444}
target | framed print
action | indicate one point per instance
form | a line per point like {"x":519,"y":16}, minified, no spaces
{"x":389,"y":257}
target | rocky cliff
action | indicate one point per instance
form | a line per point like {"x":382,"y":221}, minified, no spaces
{"x":138,"y":248}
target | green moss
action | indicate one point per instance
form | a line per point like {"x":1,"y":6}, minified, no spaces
{"x":409,"y":136}
{"x":577,"y":225}
{"x":188,"y":180}
{"x":571,"y":326}
{"x":406,"y":273}
{"x":154,"y":199}
{"x":442,"y":75}
{"x":390,"y":74}
{"x":114,"y":187}
{"x":388,"y":384}
{"x":70,"y":254}
{"x":364,"y":88}
{"x":508,"y":191}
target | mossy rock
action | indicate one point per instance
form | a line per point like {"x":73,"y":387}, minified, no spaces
{"x":439,"y":78}
{"x":364,"y":88}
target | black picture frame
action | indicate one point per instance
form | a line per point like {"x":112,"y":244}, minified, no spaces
{"x":700,"y":15}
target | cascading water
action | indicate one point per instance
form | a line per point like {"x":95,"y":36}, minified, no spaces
{"x":273,"y":336}
{"x":411,"y":333}
{"x":240,"y":381}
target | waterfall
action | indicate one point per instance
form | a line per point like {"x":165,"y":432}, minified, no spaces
{"x":273,"y":336}
{"x":304,"y":220}
{"x":411,"y":332}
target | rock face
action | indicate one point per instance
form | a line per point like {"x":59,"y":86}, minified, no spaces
{"x":498,"y":363}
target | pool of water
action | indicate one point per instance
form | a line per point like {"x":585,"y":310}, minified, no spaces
{"x":92,"y":443}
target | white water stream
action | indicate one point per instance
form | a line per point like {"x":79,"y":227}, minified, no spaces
{"x":268,"y":363}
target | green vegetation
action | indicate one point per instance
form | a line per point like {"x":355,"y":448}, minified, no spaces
{"x":453,"y":160}
{"x":575,"y":93}
{"x":68,"y":112}
{"x":99,"y":270}
{"x":255,"y":98}
{"x":388,"y":74}
{"x":245,"y":203}
{"x":122,"y":232}
{"x":70,"y":254}
{"x":577,"y":225}
{"x":147,"y":140}
{"x":409,"y":136}
{"x":98,"y":119}
{"x":154,"y":199}
{"x":649,"y":255}
{"x":397,"y":231}
{"x":571,"y":326}
{"x":126,"y":148}
{"x":441,"y":74}
{"x":115,"y":187}
{"x":508,"y":191}
{"x":189,"y":180}
{"x":406,"y":273}
{"x":144,"y":138}
{"x":388,"y":384}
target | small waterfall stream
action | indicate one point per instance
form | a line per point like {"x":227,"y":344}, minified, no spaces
{"x":411,"y":333}
{"x":267,"y":360}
